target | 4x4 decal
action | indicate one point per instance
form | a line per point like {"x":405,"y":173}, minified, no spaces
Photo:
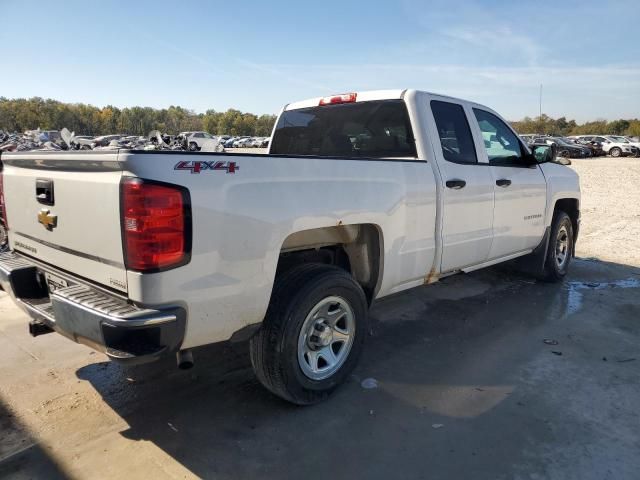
{"x":199,"y":166}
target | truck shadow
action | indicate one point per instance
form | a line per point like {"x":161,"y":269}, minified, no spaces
{"x":449,"y":354}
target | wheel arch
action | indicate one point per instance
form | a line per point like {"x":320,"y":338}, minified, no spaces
{"x":357,"y":248}
{"x":570,"y":206}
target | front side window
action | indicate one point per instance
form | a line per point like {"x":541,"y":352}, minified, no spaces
{"x":501,"y":144}
{"x":454,"y":132}
{"x":372,"y":129}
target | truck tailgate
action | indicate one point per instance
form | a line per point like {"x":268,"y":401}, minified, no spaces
{"x":64,"y":209}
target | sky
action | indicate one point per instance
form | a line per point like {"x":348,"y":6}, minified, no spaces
{"x":258,"y":56}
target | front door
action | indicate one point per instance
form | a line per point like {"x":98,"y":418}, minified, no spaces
{"x":520,"y":188}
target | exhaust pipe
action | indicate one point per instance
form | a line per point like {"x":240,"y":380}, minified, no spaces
{"x":185,"y":359}
{"x":37,"y":328}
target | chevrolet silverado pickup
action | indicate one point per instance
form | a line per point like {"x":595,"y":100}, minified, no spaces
{"x":141,"y":254}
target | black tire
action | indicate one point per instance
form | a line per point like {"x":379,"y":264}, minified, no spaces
{"x":553,"y":270}
{"x":615,"y":152}
{"x":274,"y":349}
{"x":193,"y":147}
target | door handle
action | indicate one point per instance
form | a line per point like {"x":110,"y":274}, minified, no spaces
{"x":503,"y":182}
{"x":455,"y":184}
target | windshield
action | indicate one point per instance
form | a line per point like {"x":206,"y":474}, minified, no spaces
{"x":562,"y":142}
{"x":374,"y":129}
{"x":620,"y":139}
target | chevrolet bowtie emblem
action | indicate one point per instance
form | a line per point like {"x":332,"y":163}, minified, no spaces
{"x":45,"y":218}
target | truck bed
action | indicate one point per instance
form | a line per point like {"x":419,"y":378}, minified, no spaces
{"x":244,"y":208}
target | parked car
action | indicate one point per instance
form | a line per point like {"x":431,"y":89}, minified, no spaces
{"x":287,"y":252}
{"x":241,"y":142}
{"x":565,"y":148}
{"x":196,"y":140}
{"x":257,"y":142}
{"x":611,"y":146}
{"x":627,"y":140}
{"x":529,"y":138}
{"x":595,"y":147}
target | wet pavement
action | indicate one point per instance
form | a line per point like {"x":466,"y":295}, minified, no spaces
{"x":487,"y":375}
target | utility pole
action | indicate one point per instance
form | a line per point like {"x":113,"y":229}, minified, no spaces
{"x":540,"y":103}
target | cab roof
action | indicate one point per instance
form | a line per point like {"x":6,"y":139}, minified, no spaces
{"x":369,"y":95}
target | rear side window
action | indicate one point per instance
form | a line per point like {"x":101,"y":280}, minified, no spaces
{"x":375,"y":129}
{"x":455,"y":135}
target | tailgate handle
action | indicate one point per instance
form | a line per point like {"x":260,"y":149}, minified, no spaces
{"x":44,"y":191}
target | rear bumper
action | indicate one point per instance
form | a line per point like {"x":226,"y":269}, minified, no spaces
{"x":108,"y":323}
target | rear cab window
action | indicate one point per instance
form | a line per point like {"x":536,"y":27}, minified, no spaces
{"x":371,"y":129}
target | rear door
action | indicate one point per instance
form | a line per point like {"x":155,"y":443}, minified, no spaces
{"x":467,"y":190}
{"x":520,"y":188}
{"x":64,"y":209}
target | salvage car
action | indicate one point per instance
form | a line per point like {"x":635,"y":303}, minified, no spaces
{"x":595,"y":147}
{"x":611,"y":146}
{"x":625,"y":141}
{"x":361,"y":196}
{"x":196,"y":140}
{"x":565,"y":148}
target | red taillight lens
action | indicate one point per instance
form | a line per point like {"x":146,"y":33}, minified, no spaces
{"x":3,"y":208}
{"x":342,"y":98}
{"x":156,"y":225}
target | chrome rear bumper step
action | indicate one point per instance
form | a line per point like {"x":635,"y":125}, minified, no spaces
{"x":125,"y":332}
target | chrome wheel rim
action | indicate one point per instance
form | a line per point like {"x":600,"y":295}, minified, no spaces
{"x":562,"y":246}
{"x":326,"y":338}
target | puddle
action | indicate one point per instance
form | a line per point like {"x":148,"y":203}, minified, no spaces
{"x":576,"y":296}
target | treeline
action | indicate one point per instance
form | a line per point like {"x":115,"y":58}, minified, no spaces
{"x":561,"y":126}
{"x":18,"y":115}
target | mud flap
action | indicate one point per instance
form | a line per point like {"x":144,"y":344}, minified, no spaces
{"x":533,"y":264}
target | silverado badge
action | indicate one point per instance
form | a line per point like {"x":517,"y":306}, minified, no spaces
{"x":45,"y":218}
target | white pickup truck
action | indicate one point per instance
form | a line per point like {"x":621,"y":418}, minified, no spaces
{"x":141,"y":254}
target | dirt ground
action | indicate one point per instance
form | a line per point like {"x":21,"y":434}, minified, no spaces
{"x":465,"y":384}
{"x":610,"y":209}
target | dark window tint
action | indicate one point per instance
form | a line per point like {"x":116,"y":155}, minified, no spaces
{"x":501,"y":144}
{"x":374,"y":129}
{"x":455,"y":134}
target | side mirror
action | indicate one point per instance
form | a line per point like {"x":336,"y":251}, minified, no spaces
{"x":548,"y":153}
{"x":543,"y":153}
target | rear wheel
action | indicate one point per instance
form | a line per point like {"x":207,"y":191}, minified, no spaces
{"x":560,"y":248}
{"x":312,"y":335}
{"x":615,"y":152}
{"x":193,"y":146}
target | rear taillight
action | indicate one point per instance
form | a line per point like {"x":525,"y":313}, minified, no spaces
{"x":156,"y":225}
{"x":335,"y":99}
{"x":3,"y":208}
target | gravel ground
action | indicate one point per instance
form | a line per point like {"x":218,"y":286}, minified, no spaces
{"x":489,"y":375}
{"x":610,"y":209}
